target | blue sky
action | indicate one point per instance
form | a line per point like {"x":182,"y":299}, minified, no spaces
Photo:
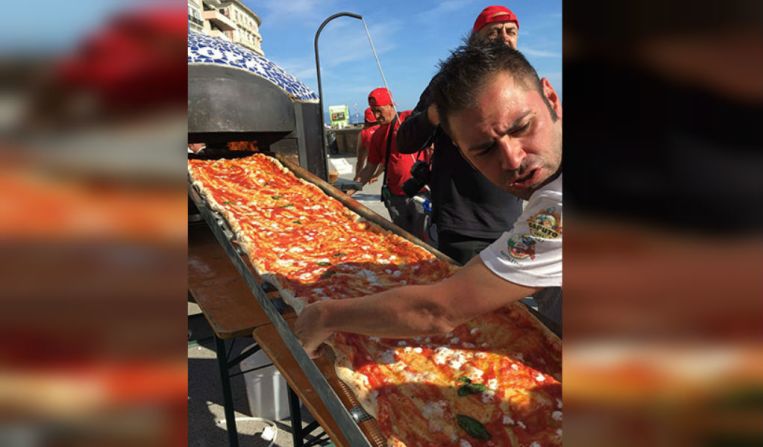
{"x":36,"y":27}
{"x":410,"y":37}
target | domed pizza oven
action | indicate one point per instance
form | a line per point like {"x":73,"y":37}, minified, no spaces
{"x":236,"y":95}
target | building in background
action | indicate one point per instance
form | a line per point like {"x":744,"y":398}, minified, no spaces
{"x":195,"y":19}
{"x":228,"y":19}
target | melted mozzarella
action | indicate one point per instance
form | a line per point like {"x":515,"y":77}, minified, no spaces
{"x":370,"y":276}
{"x":441,"y":355}
{"x":474,"y":374}
{"x":457,"y":361}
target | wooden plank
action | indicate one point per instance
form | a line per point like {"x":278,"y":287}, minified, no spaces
{"x":219,"y":289}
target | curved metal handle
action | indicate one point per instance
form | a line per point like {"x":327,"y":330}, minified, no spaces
{"x":318,"y":66}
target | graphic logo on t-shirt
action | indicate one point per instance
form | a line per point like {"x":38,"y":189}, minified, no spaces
{"x":546,"y":224}
{"x":521,"y":246}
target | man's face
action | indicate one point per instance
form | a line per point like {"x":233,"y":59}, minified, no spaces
{"x":510,"y":135}
{"x":505,"y":32}
{"x":384,"y":114}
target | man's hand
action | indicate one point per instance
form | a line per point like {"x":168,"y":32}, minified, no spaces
{"x":309,"y":328}
{"x":433,"y":115}
{"x":358,"y":180}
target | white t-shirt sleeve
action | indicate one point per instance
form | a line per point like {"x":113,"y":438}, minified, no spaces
{"x":531,"y":253}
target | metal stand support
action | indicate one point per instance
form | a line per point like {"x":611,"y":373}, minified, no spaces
{"x":230,"y":418}
{"x":225,"y":364}
{"x":296,"y":419}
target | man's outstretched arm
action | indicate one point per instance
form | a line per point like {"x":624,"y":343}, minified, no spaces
{"x":410,"y":311}
{"x":365,"y":174}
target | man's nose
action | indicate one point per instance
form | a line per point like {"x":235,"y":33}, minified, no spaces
{"x":512,"y":153}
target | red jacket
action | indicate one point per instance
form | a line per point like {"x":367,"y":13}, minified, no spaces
{"x":399,"y":168}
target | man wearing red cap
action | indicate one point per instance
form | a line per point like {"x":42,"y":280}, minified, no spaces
{"x":469,"y":212}
{"x":406,"y":212}
{"x":370,"y":126}
{"x":495,"y":23}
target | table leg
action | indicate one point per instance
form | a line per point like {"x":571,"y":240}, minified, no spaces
{"x":296,"y":419}
{"x":230,"y":417}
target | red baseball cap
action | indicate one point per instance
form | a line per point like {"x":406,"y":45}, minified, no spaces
{"x":379,"y":97}
{"x":369,"y":116}
{"x":493,"y":14}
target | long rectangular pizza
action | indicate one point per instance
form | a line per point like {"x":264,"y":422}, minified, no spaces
{"x":493,"y":381}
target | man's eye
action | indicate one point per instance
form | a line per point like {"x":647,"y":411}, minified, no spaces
{"x":484,"y":150}
{"x":521,"y":130}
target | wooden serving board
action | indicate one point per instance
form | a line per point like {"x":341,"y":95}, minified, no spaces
{"x":219,"y":290}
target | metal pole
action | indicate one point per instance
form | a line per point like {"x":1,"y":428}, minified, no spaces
{"x":295,"y":414}
{"x":230,"y":415}
{"x":318,"y":69}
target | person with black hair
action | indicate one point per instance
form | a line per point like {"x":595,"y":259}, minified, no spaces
{"x":468,"y":212}
{"x":507,"y":123}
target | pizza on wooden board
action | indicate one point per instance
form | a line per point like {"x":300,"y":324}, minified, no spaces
{"x":304,"y":242}
{"x":493,"y":381}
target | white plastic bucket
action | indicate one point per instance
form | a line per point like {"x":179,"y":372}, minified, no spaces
{"x":266,"y":389}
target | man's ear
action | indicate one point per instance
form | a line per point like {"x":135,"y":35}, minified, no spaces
{"x":552,"y":97}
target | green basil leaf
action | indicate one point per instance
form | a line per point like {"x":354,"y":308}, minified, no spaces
{"x":464,"y":379}
{"x":324,"y":263}
{"x":297,"y":222}
{"x":473,"y":427}
{"x":276,"y":197}
{"x":464,"y":391}
{"x":471,"y":388}
{"x":479,"y":387}
{"x":338,"y":255}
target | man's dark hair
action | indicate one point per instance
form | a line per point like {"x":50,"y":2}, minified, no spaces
{"x":474,"y":39}
{"x":462,"y":75}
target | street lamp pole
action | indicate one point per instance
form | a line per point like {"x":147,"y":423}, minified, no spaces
{"x":318,"y":69}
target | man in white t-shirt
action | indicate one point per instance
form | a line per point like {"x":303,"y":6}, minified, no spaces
{"x":508,"y":124}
